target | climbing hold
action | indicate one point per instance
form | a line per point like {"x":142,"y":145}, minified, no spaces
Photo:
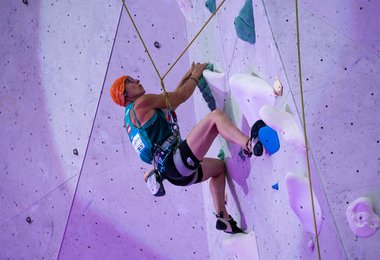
{"x":361,"y":218}
{"x":205,"y":90}
{"x":275,"y":186}
{"x":277,"y":87}
{"x":211,"y":5}
{"x":29,"y":220}
{"x":285,"y":123}
{"x":269,"y":139}
{"x":244,"y":23}
{"x":310,"y":245}
{"x":251,"y":93}
{"x":75,"y":152}
{"x":157,"y":44}
{"x":300,"y":201}
{"x":217,"y":84}
{"x":221,"y":154}
{"x":242,"y":246}
{"x":25,"y":2}
{"x":241,"y":155}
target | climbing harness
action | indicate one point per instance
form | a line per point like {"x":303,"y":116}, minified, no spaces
{"x":304,"y":130}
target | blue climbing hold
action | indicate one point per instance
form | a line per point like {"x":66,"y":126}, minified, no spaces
{"x":211,"y":5}
{"x":244,"y":23}
{"x":241,"y":155}
{"x":275,"y":186}
{"x":269,"y":139}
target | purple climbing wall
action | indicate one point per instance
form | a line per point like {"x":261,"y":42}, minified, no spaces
{"x":340,"y":58}
{"x":71,"y":186}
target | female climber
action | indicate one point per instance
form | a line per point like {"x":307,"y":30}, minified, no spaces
{"x":185,"y":163}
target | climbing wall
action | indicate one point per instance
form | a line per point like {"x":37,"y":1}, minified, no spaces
{"x":51,"y":76}
{"x":340,"y":58}
{"x":71,"y":185}
{"x":114,"y":215}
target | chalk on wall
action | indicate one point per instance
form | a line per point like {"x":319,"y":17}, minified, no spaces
{"x":361,"y":218}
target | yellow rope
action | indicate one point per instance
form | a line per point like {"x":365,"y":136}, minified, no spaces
{"x":304,"y":131}
{"x":141,"y":39}
{"x":194,"y":38}
{"x":180,"y":56}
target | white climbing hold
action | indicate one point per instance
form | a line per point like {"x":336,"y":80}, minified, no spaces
{"x":277,"y":87}
{"x":284,"y":124}
{"x":251,"y":93}
{"x":217,"y":83}
{"x":243,"y":246}
{"x":310,"y":245}
{"x":300,"y":201}
{"x":186,"y":8}
{"x":361,"y":218}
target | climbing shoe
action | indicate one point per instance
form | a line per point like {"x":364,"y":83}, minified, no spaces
{"x":256,"y":127}
{"x":258,"y":148}
{"x":227,"y":225}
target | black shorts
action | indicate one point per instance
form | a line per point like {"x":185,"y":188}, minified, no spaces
{"x":182,"y":167}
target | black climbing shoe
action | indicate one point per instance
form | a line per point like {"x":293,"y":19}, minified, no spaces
{"x":256,"y":127}
{"x":248,"y":148}
{"x":258,"y":149}
{"x":227,"y":225}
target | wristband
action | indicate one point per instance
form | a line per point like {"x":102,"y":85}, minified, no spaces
{"x":194,"y":80}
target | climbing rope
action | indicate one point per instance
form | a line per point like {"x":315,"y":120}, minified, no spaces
{"x":141,"y":39}
{"x":304,"y":130}
{"x":165,"y":93}
{"x":195,"y":37}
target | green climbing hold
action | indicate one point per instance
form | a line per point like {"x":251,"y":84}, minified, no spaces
{"x":221,"y":154}
{"x":244,"y":23}
{"x":211,"y":5}
{"x":206,"y":91}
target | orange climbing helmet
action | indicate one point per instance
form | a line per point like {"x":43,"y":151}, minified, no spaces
{"x":117,"y":91}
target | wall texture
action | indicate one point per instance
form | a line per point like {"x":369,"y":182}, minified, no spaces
{"x":59,"y":59}
{"x":340,"y":58}
{"x":71,"y":186}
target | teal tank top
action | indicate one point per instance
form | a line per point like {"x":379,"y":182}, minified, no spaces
{"x":143,"y":138}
